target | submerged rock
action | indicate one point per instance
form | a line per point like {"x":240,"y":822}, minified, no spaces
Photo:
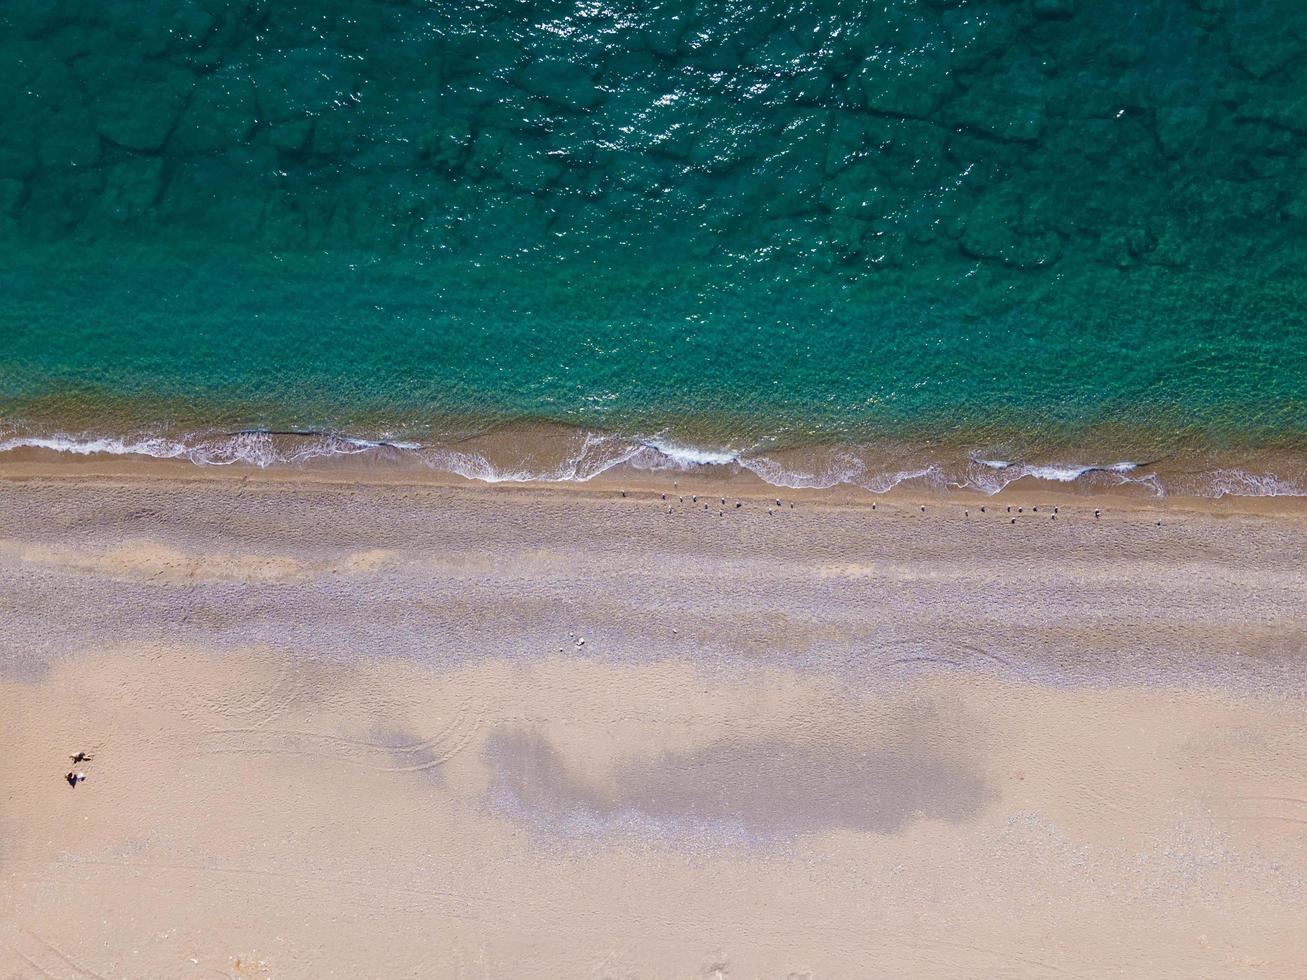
{"x":221,"y":113}
{"x":134,"y":104}
{"x":132,"y":187}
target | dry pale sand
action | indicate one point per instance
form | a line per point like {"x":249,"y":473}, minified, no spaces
{"x":347,"y":731}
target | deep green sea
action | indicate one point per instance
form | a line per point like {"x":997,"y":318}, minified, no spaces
{"x":831,"y":241}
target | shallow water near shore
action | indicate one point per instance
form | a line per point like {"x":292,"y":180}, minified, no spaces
{"x":542,"y":454}
{"x":882,"y":243}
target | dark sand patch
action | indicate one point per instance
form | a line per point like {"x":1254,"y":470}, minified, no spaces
{"x":774,"y":787}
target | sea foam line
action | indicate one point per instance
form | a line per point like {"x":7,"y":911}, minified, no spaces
{"x":1060,"y":474}
{"x":598,"y":453}
{"x":687,"y":457}
{"x":989,"y":476}
{"x":255,"y":448}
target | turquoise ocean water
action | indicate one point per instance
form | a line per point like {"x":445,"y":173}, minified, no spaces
{"x":832,"y":242}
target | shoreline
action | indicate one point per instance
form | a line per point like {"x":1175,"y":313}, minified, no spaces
{"x":556,"y":454}
{"x":729,"y":480}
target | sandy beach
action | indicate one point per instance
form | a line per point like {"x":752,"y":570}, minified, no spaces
{"x":366,"y":726}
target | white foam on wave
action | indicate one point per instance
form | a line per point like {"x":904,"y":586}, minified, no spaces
{"x":1065,"y":474}
{"x":885,"y":482}
{"x":252,"y":448}
{"x":381,"y":443}
{"x":686,"y":457}
{"x":989,"y":476}
{"x":1150,"y":480}
{"x":597,"y":454}
{"x":843,"y":468}
{"x":155,"y":447}
{"x":1060,"y":473}
{"x":1241,"y":483}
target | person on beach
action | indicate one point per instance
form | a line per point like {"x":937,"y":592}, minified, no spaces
{"x":81,"y":757}
{"x":74,"y":778}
